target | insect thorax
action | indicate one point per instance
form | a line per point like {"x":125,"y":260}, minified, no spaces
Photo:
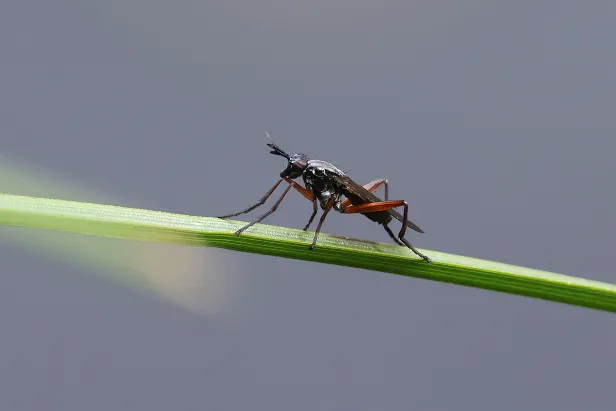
{"x":320,"y":180}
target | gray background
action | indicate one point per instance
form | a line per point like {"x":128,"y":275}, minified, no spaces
{"x":495,"y":120}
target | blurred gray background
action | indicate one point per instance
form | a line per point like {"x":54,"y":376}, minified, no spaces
{"x":495,"y":120}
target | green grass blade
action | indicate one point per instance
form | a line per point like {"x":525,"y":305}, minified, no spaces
{"x":146,"y":225}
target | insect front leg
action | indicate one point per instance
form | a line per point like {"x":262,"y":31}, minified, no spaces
{"x":238,"y":232}
{"x":259,"y":204}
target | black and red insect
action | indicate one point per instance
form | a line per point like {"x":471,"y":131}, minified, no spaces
{"x":332,"y":188}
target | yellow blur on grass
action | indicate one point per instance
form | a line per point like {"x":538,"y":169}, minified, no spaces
{"x":194,"y":278}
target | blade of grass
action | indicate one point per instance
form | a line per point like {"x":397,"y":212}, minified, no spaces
{"x":147,"y":225}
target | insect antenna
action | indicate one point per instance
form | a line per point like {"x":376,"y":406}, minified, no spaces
{"x":275,"y":149}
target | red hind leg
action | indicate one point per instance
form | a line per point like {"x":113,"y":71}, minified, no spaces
{"x":383,"y":206}
{"x":371,"y":187}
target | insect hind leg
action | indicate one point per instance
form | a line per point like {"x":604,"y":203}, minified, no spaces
{"x":371,"y":187}
{"x":403,"y":232}
{"x":391,"y":234}
{"x":388,"y":205}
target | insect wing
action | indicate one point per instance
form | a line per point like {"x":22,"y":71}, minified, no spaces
{"x":357,"y":193}
{"x":408,"y":223}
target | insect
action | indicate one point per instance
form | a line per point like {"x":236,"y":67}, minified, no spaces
{"x":333,"y":189}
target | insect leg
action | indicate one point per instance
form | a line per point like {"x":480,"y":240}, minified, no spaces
{"x":403,"y":231}
{"x":391,"y":234}
{"x":263,"y":199}
{"x":314,"y":213}
{"x":238,"y":232}
{"x":328,"y":207}
{"x":371,"y":187}
{"x":373,"y":207}
{"x":386,"y":205}
{"x":409,"y":245}
{"x":260,"y":203}
{"x":307,"y":194}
